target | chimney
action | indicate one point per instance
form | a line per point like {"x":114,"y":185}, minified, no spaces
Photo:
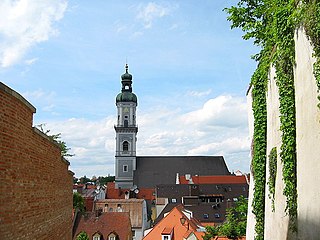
{"x":98,"y":212}
{"x":177,"y":179}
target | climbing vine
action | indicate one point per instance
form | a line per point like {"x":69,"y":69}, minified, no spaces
{"x":259,"y":79}
{"x":271,"y":24}
{"x":272,"y":175}
{"x":310,"y":19}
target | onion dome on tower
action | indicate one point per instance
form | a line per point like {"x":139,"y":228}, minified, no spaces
{"x":126,"y":94}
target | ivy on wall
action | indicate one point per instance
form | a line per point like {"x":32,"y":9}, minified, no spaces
{"x":310,"y":19}
{"x":272,"y":175}
{"x":271,"y":24}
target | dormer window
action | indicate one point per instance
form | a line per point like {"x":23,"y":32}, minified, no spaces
{"x":112,"y":236}
{"x":167,"y":233}
{"x":96,"y":236}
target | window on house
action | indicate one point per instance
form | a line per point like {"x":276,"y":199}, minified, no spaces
{"x":119,"y":208}
{"x":217,"y":215}
{"x":205,"y":216}
{"x":133,"y":233}
{"x":125,"y":146}
{"x":174,"y":200}
{"x":165,"y":238}
{"x":126,"y":123}
{"x":96,"y":238}
{"x":112,"y":236}
{"x":125,"y":168}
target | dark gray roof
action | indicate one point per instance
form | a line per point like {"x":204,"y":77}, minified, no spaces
{"x":155,"y":170}
{"x":203,"y":211}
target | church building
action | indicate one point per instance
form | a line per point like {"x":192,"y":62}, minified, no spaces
{"x":149,"y":171}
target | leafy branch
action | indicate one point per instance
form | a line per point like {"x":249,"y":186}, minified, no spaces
{"x":57,"y":139}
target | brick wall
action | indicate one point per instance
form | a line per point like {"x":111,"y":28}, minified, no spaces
{"x":35,"y":184}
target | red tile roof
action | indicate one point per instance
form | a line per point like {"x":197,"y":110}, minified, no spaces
{"x":225,"y":238}
{"x":228,"y":179}
{"x":106,"y":223}
{"x":115,"y":193}
{"x":171,"y":224}
{"x":167,"y":230}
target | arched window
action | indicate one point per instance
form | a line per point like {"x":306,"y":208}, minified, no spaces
{"x":125,"y":146}
{"x":126,"y":123}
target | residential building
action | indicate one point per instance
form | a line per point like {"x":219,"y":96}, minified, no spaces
{"x":103,"y":225}
{"x":178,"y":224}
{"x":137,"y":209}
{"x":208,"y":197}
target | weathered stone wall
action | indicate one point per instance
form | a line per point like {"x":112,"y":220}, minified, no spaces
{"x":36,"y":186}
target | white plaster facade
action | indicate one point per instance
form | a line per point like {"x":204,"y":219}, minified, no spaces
{"x":308,"y":152}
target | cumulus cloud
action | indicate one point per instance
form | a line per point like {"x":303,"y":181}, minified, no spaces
{"x":148,"y":13}
{"x":204,"y":131}
{"x":24,"y":23}
{"x":224,"y":110}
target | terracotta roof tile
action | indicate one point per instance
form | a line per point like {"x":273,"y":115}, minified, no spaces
{"x":106,"y":223}
{"x":115,"y":193}
{"x":172,"y":221}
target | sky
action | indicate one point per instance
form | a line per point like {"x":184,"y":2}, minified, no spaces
{"x":190,"y":73}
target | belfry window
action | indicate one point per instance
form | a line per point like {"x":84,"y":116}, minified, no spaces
{"x":125,"y":146}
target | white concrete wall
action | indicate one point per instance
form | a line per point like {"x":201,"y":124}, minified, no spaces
{"x":308,"y":153}
{"x":308,"y":141}
{"x":276,"y":223}
{"x":250,"y":216}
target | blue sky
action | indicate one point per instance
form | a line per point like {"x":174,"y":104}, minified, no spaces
{"x":190,"y":73}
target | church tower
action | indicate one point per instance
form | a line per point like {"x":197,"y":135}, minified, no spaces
{"x":126,"y":133}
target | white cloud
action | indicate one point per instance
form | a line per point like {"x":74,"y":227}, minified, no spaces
{"x":136,"y":35}
{"x":224,"y":110}
{"x":148,"y":13}
{"x":199,"y":94}
{"x":162,"y":132}
{"x":31,"y":61}
{"x":24,"y":23}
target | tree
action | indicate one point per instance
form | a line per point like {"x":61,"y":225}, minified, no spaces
{"x":235,"y":224}
{"x":57,"y":139}
{"x":84,"y":179}
{"x":83,"y":236}
{"x":78,"y":202}
{"x":104,"y":180}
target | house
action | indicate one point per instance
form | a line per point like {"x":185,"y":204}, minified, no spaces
{"x":90,"y":193}
{"x":103,"y":225}
{"x":36,"y":185}
{"x":137,"y":209}
{"x":208,"y":197}
{"x":178,"y":224}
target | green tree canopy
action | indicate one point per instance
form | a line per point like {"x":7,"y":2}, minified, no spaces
{"x":78,"y":202}
{"x":235,"y":224}
{"x":83,"y":236}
